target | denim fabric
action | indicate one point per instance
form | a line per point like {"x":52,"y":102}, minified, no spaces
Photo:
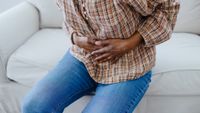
{"x":69,"y":80}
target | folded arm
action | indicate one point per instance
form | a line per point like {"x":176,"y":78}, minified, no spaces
{"x":159,"y":19}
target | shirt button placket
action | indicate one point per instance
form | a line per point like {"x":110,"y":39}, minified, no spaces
{"x":85,"y":15}
{"x":84,"y":10}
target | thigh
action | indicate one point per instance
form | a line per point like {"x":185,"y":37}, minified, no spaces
{"x":66,"y":82}
{"x":120,"y":97}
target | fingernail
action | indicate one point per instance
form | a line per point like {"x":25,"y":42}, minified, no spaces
{"x":92,"y":53}
{"x":98,"y":42}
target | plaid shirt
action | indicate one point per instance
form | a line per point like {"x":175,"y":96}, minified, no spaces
{"x":153,"y":19}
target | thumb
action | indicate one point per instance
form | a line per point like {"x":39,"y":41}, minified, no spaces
{"x":102,"y":42}
{"x":91,"y":40}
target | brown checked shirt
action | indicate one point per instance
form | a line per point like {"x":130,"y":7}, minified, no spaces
{"x":153,"y":19}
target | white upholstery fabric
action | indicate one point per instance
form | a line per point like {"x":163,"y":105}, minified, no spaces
{"x":13,"y":33}
{"x":11,"y":95}
{"x":177,"y":67}
{"x":172,"y":55}
{"x":189,"y":17}
{"x":50,"y":15}
{"x":33,"y":59}
{"x":38,"y":55}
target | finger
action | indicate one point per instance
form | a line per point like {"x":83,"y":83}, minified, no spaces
{"x":89,"y":55}
{"x":92,"y":56}
{"x":101,"y":57}
{"x":102,"y":50}
{"x":94,"y":47}
{"x":102,"y":42}
{"x":106,"y":59}
{"x":114,"y":60}
{"x":90,"y":40}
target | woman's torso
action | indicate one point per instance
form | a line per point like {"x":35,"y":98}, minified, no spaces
{"x":104,"y":18}
{"x":108,"y":19}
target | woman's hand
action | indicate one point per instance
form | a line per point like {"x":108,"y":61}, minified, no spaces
{"x":113,"y":49}
{"x":86,"y":43}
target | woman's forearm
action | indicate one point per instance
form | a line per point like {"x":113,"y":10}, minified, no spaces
{"x":134,"y":41}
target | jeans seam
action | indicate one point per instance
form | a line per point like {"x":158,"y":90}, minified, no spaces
{"x":133,"y":101}
{"x":61,"y":104}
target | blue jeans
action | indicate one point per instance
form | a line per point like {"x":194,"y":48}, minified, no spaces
{"x":69,"y":80}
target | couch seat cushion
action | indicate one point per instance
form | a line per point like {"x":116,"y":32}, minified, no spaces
{"x":177,"y":69}
{"x":39,"y":54}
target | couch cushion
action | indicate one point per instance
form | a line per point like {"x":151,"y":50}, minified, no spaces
{"x":189,"y":17}
{"x":38,"y":55}
{"x":177,"y":70}
{"x":50,"y":15}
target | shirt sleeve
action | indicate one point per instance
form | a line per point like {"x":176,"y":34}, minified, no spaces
{"x":159,"y":19}
{"x":68,"y":30}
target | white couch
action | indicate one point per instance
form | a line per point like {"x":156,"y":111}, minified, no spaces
{"x":32,"y":42}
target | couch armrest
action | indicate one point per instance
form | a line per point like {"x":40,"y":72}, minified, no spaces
{"x":16,"y":26}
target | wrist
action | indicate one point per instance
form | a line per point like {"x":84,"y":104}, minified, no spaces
{"x":135,"y":40}
{"x":138,"y":38}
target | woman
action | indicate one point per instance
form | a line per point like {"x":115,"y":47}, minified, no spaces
{"x":112,"y":54}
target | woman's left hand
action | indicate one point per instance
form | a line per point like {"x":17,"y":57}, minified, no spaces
{"x":113,"y":49}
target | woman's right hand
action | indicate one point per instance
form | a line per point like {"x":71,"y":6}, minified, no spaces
{"x":87,"y":43}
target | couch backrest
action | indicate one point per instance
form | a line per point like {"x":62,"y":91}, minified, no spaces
{"x":50,"y":15}
{"x":188,"y":18}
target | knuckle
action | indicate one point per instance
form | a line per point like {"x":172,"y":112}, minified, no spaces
{"x":87,"y":39}
{"x":111,"y":47}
